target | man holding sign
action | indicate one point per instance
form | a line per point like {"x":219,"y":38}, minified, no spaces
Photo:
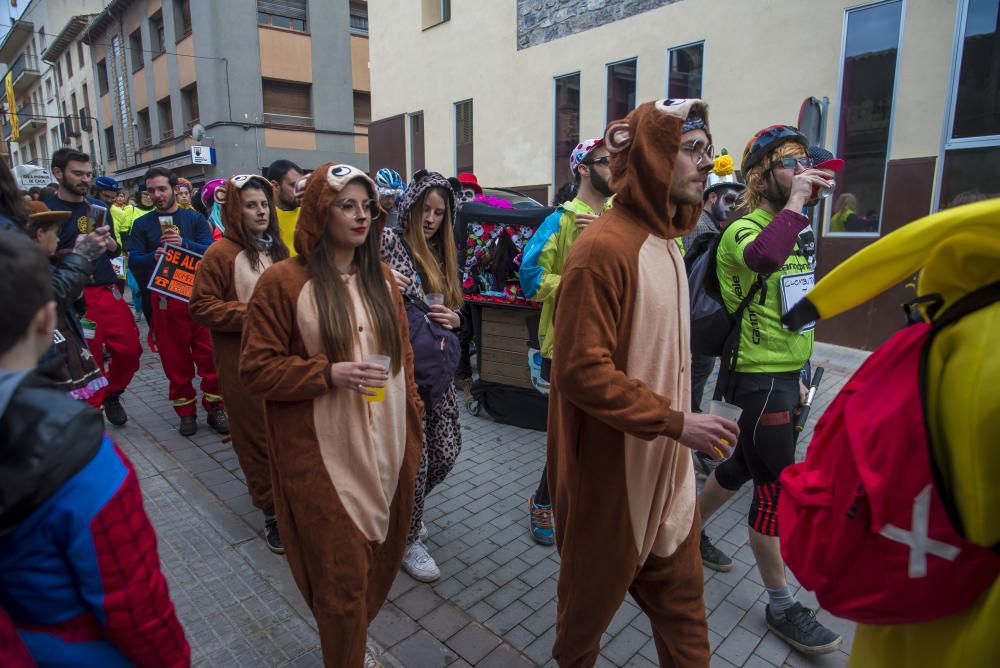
{"x":115,"y":329}
{"x":185,"y":346}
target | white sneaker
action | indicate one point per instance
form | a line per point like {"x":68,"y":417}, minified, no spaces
{"x":419,"y":564}
{"x":370,"y":660}
{"x":422,"y":534}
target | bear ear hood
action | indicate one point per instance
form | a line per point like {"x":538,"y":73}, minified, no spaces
{"x":232,"y":210}
{"x":322,"y":188}
{"x":644,"y":147}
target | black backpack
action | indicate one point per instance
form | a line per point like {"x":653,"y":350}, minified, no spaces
{"x":714,"y":330}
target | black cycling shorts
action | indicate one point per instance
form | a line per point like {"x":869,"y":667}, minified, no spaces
{"x":766,"y":444}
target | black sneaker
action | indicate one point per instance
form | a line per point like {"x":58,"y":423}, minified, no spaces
{"x":218,"y":420}
{"x":713,"y":557}
{"x":189,"y":425}
{"x":113,"y":410}
{"x":272,"y":537}
{"x":800,"y":629}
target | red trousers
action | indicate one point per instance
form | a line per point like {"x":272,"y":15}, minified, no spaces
{"x":116,"y":331}
{"x":185,"y":350}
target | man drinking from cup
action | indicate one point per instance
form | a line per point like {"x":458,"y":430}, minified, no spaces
{"x":115,"y":327}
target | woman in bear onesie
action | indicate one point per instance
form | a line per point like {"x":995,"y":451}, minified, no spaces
{"x":343,"y":462}
{"x":222,"y":287}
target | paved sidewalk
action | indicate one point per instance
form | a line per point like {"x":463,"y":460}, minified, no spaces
{"x":495,"y":602}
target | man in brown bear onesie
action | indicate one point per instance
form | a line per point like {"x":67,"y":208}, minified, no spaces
{"x":619,"y":410}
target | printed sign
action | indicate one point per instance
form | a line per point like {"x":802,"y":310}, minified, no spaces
{"x":174,"y":273}
{"x":793,"y":288}
{"x":202,"y":155}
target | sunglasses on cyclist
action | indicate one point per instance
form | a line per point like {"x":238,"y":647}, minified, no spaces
{"x":603,"y":160}
{"x":790,"y":163}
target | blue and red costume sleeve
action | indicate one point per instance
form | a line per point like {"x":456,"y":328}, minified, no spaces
{"x":13,"y":653}
{"x":117,"y":567}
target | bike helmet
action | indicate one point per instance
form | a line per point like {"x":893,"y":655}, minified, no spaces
{"x":766,"y":141}
{"x":389,"y":182}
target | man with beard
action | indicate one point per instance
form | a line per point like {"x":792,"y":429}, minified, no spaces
{"x":623,"y":486}
{"x":115,"y":329}
{"x":185,"y":347}
{"x":541,"y":271}
{"x":283,"y":175}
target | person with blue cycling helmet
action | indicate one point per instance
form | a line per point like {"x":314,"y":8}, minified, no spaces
{"x":390,"y":188}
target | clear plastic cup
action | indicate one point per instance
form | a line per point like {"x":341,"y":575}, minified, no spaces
{"x":434,"y":299}
{"x":726,"y":410}
{"x":379,"y":392}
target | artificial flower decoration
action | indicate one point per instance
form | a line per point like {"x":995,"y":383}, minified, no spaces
{"x":723,"y":164}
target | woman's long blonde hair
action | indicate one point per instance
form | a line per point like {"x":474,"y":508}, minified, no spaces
{"x":755,"y":179}
{"x":437,"y":261}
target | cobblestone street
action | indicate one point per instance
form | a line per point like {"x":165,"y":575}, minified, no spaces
{"x":495,"y":602}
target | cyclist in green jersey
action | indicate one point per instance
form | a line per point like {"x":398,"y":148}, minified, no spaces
{"x":761,"y":371}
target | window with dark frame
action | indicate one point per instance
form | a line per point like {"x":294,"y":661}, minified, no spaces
{"x":287,"y":14}
{"x":463,"y":137}
{"x":156,"y":34}
{"x":865,"y":116}
{"x":359,"y":17}
{"x":621,"y":89}
{"x":79,"y":54}
{"x":102,"y":77}
{"x":567,"y":123}
{"x":189,"y":107}
{"x":972,"y":150}
{"x":182,"y":18}
{"x":287,"y":103}
{"x":69,"y":64}
{"x":135,"y":44}
{"x":362,"y":107}
{"x":417,"y":155}
{"x":144,"y":128}
{"x":686,"y":71}
{"x":111,"y":149}
{"x":165,"y":115}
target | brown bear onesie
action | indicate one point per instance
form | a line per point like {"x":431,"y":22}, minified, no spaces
{"x":624,"y":489}
{"x":222,"y":287}
{"x":343,"y":468}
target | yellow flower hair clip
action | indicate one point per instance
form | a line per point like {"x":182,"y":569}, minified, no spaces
{"x":723,"y":164}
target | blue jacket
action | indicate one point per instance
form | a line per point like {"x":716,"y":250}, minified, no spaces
{"x":144,"y":239}
{"x":79,"y":570}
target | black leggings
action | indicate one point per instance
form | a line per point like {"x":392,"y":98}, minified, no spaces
{"x":766,"y":444}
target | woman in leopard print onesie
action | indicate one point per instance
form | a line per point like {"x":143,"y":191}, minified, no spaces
{"x":422,"y":253}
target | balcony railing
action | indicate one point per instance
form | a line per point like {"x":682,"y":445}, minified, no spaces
{"x":27,"y":114}
{"x":167,"y":135}
{"x":25,"y":64}
{"x":286,"y":119}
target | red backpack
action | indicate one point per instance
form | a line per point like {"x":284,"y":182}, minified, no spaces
{"x":867,"y":520}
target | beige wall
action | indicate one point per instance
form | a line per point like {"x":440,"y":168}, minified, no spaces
{"x":161,"y":77}
{"x":289,"y":139}
{"x":285,"y":55}
{"x":185,"y":63}
{"x":746,"y":85}
{"x":360,"y":77}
